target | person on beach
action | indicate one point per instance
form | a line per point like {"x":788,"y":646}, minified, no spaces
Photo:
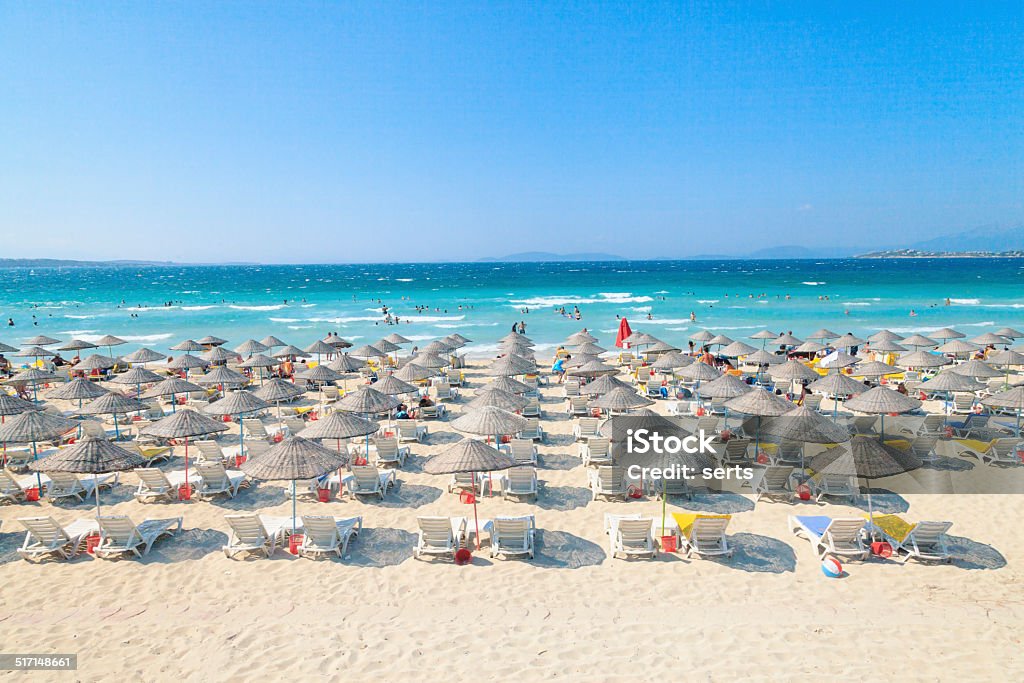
{"x":559,"y":367}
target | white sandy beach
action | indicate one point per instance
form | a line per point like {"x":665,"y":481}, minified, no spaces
{"x":187,"y":612}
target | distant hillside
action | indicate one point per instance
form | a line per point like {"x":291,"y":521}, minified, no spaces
{"x":983,"y":239}
{"x":788,"y":251}
{"x":542,"y":256}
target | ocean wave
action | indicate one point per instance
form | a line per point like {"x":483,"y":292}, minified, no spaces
{"x":151,"y":308}
{"x":707,"y":301}
{"x":403,"y":279}
{"x":77,"y":334}
{"x":145,"y":338}
{"x":813,"y":284}
{"x":926,"y":330}
{"x":267,"y":307}
{"x":199,"y":308}
{"x":1002,"y":305}
{"x":79,"y":317}
{"x":300,"y":327}
{"x":459,"y":326}
{"x":308,"y":305}
{"x":965,"y":302}
{"x":641,"y":309}
{"x":568,"y":300}
{"x":285,"y":320}
{"x":856,"y":303}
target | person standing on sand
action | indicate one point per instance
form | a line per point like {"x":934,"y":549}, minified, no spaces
{"x":559,"y":367}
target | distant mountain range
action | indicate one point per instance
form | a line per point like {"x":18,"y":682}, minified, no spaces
{"x":985,"y":238}
{"x":545,"y":256}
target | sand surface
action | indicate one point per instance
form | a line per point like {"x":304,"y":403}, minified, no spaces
{"x":187,"y":612}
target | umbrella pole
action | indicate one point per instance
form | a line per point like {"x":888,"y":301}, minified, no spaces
{"x":664,"y":501}
{"x":39,"y":477}
{"x":174,"y":403}
{"x":96,"y":488}
{"x":186,"y":462}
{"x":241,"y":436}
{"x":117,"y":432}
{"x":476,"y":520}
{"x":293,"y":506}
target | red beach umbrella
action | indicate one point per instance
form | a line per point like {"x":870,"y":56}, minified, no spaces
{"x":624,"y":332}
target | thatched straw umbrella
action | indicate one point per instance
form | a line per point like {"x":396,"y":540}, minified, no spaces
{"x":114,"y":404}
{"x":472,"y":456}
{"x":31,"y":427}
{"x":171,"y":387}
{"x":882,"y":401}
{"x":184,"y":424}
{"x":92,"y":456}
{"x":238,"y":404}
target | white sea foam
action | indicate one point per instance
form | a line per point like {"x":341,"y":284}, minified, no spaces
{"x":403,"y":279}
{"x":965,"y":302}
{"x":79,"y":317}
{"x":707,"y":301}
{"x":641,"y":309}
{"x":813,"y":284}
{"x":569,"y":300}
{"x":856,"y":303}
{"x":267,"y":307}
{"x":285,"y":320}
{"x":198,"y":308}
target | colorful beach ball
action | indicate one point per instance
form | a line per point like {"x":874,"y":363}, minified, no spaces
{"x":831,"y":568}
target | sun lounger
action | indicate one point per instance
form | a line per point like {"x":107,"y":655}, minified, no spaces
{"x":119,"y":535}
{"x":209,"y":451}
{"x":389,"y":452}
{"x":439,"y":536}
{"x":831,"y":536}
{"x":631,"y":536}
{"x":836,"y":485}
{"x":703,"y":535}
{"x":444,"y":392}
{"x":773,"y":482}
{"x":513,"y":536}
{"x":520,"y":481}
{"x":577,"y":405}
{"x":1001,"y":451}
{"x":325,"y":534}
{"x":435,"y":412}
{"x":157,"y":485}
{"x":596,"y":451}
{"x":152,"y":453}
{"x":921,"y":541}
{"x":532,"y":431}
{"x":523,"y":451}
{"x":608,"y":481}
{"x":45,"y":536}
{"x":216,"y":480}
{"x":571,"y":389}
{"x":464,"y":481}
{"x":251,"y":533}
{"x":11,"y":490}
{"x":963,"y":403}
{"x":410,"y":430}
{"x":586,"y":427}
{"x":369,"y":481}
{"x":67,"y":485}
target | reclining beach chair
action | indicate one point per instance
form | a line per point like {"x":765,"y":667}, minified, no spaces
{"x":864,"y":424}
{"x":254,"y":533}
{"x":255,"y":429}
{"x":571,"y":388}
{"x":533,"y":431}
{"x":464,"y":481}
{"x":709,"y":424}
{"x":921,"y":541}
{"x":532,"y":409}
{"x":734,"y":452}
{"x":596,"y":450}
{"x":389,"y":452}
{"x":45,"y":536}
{"x":608,"y":481}
{"x":631,"y":536}
{"x":963,"y":403}
{"x":210,"y":452}
{"x":216,"y":480}
{"x":119,"y":535}
{"x":435,"y":412}
{"x":513,"y":536}
{"x":439,"y":536}
{"x":369,"y":481}
{"x":1002,"y":451}
{"x":67,"y":485}
{"x":520,"y":481}
{"x":835,"y":485}
{"x":703,"y":535}
{"x":326,"y":534}
{"x":11,"y":490}
{"x":773,"y":482}
{"x":577,"y":405}
{"x":331,"y":393}
{"x":155,"y":484}
{"x":934,"y":425}
{"x":523,"y":451}
{"x":294,"y":425}
{"x":443,"y":391}
{"x":586,"y":427}
{"x":454,"y":376}
{"x":924,"y":447}
{"x":410,"y":430}
{"x":831,"y":536}
{"x":813,"y":401}
{"x":151,"y":452}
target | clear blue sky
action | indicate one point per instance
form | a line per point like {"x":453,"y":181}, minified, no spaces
{"x":361,"y":131}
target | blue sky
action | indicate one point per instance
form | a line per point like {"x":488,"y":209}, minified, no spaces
{"x":379,"y":131}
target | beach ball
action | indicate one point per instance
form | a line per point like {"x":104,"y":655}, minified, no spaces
{"x":831,"y":568}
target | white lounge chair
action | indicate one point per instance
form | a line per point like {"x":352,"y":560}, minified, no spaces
{"x":444,"y":392}
{"x":596,"y":451}
{"x":434,"y":412}
{"x":831,"y":536}
{"x":253,"y":533}
{"x":532,"y":409}
{"x":1002,"y":451}
{"x":156,"y":485}
{"x":325,"y":534}
{"x":523,"y":451}
{"x":11,"y":490}
{"x":586,"y":427}
{"x":45,"y":536}
{"x":439,"y":536}
{"x":608,"y":481}
{"x":703,"y":535}
{"x":215,"y":480}
{"x":773,"y":482}
{"x":520,"y":481}
{"x":119,"y":535}
{"x":513,"y":536}
{"x":151,"y":452}
{"x":410,"y":430}
{"x":369,"y":481}
{"x":920,"y":541}
{"x":533,"y":431}
{"x":389,"y":452}
{"x":631,"y":536}
{"x":835,"y":485}
{"x":577,"y":405}
{"x":210,"y":451}
{"x":67,"y":485}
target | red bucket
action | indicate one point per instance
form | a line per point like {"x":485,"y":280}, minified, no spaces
{"x":463,"y":556}
{"x":91,"y":542}
{"x":803,"y":492}
{"x":881,"y":549}
{"x":467,"y":497}
{"x":634,"y":492}
{"x":359,"y":460}
{"x":240,"y":459}
{"x":668,"y":544}
{"x":185,"y":492}
{"x":294,"y":541}
{"x":32,"y":494}
{"x":323,"y":495}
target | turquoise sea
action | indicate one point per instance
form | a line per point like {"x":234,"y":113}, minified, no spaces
{"x":160,"y":305}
